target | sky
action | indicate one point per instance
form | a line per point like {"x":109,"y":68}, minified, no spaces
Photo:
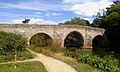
{"x":49,"y":11}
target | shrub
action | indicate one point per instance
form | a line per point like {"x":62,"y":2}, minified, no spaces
{"x":10,"y":42}
{"x":107,"y":65}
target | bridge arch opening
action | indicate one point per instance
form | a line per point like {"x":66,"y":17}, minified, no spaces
{"x":41,"y":40}
{"x":98,"y":41}
{"x":74,"y":40}
{"x":99,"y":46}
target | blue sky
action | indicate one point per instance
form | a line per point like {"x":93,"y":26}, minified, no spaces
{"x":49,"y":11}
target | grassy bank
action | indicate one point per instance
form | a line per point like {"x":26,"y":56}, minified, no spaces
{"x":23,"y":67}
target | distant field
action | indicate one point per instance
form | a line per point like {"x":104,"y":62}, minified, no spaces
{"x":24,"y":67}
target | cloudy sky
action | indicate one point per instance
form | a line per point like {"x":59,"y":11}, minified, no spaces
{"x":49,"y":11}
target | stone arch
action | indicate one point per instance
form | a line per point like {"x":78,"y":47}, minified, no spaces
{"x":42,"y":39}
{"x":74,"y":40}
{"x":98,"y":41}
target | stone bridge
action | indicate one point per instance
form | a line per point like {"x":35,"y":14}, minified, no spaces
{"x":58,"y":33}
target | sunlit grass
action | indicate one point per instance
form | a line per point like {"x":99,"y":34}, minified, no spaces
{"x":23,"y":67}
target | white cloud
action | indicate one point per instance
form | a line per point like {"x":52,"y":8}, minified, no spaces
{"x":72,"y":1}
{"x":38,"y":13}
{"x":35,"y":21}
{"x":55,"y":14}
{"x":52,"y":14}
{"x":4,"y":22}
{"x":17,"y":21}
{"x":89,"y":19}
{"x":80,"y":7}
{"x":90,"y":8}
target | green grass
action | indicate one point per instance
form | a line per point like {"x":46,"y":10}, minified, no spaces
{"x":59,"y":54}
{"x":24,"y":67}
{"x":20,"y":56}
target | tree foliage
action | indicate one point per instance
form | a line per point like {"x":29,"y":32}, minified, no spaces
{"x":26,"y":21}
{"x":110,"y":18}
{"x":77,"y":21}
{"x":10,"y":42}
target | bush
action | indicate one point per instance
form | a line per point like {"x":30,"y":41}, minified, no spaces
{"x":10,"y":42}
{"x":107,"y":65}
{"x":20,"y":56}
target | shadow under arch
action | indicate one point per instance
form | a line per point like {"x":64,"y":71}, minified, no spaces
{"x":113,"y":37}
{"x":108,"y":44}
{"x":74,"y":40}
{"x":98,"y":41}
{"x":40,"y":40}
{"x":99,"y":45}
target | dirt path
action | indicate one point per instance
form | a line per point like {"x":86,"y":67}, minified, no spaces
{"x":28,"y":60}
{"x":52,"y":65}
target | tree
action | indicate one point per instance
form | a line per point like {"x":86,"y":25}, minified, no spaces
{"x":77,"y":21}
{"x":99,"y":18}
{"x":10,"y":44}
{"x":110,"y":21}
{"x":26,"y":21}
{"x":110,"y":18}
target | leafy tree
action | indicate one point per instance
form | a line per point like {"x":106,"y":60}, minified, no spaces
{"x":110,"y":18}
{"x":111,"y":22}
{"x":10,"y":44}
{"x":97,"y":22}
{"x":77,"y":21}
{"x":26,"y":21}
{"x":99,"y":18}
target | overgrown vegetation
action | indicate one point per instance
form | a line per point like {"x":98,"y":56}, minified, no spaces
{"x":107,"y":65}
{"x":20,"y":56}
{"x":41,"y":40}
{"x":11,"y":43}
{"x":24,"y":67}
{"x":11,"y":47}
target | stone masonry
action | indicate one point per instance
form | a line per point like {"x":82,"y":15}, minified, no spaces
{"x":58,"y":33}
